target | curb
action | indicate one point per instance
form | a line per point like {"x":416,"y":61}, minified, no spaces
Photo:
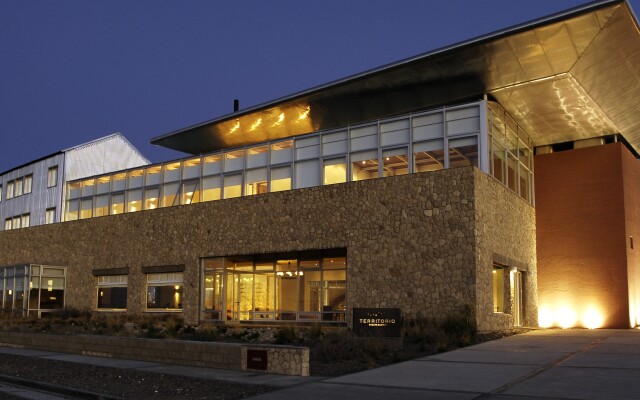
{"x":56,"y":389}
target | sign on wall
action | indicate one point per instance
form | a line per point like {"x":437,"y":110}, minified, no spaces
{"x":377,"y":322}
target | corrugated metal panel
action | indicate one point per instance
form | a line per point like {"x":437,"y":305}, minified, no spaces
{"x":111,"y":153}
{"x":41,"y":197}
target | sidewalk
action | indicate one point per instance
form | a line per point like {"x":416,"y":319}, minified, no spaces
{"x":549,"y":364}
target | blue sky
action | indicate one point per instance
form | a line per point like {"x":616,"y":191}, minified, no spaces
{"x":74,"y":70}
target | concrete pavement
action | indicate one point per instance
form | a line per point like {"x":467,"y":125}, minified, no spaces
{"x":541,"y":364}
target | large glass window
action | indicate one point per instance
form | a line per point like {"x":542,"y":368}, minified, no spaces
{"x":46,"y":288}
{"x":395,"y":162}
{"x":151,"y":197}
{"x":164,"y":291}
{"x":134,"y":200}
{"x":256,"y":182}
{"x":232,"y":186}
{"x":280,"y":179}
{"x":72,"y":212}
{"x":463,"y":152}
{"x":170,"y":194}
{"x":364,"y":165}
{"x":136,"y":178}
{"x":211,"y":188}
{"x":305,"y":286}
{"x":190,"y":192}
{"x":428,"y":156}
{"x":112,"y":292}
{"x":335,"y":171}
{"x":101,"y":207}
{"x":117,"y":203}
{"x":86,"y":207}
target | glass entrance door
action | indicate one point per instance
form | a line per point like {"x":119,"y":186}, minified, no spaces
{"x":239,"y":299}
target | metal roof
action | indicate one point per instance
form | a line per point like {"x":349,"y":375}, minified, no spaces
{"x":565,"y":77}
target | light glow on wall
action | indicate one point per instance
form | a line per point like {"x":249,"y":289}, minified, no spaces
{"x":570,"y":316}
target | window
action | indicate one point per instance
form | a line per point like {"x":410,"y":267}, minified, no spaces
{"x":0,"y":192}
{"x":28,"y":183}
{"x":112,"y":292}
{"x":50,"y":216}
{"x":101,"y":206}
{"x":18,"y":188}
{"x":232,"y":186}
{"x":46,"y":288}
{"x":25,"y":220}
{"x":164,"y":291}
{"x":280,"y":179}
{"x":498,"y":288}
{"x":86,"y":208}
{"x":364,"y":165}
{"x":15,"y":224}
{"x":10,"y":190}
{"x":52,"y":176}
{"x":151,"y":197}
{"x":117,"y":203}
{"x":7,"y":224}
{"x":395,"y":162}
{"x":303,"y":286}
{"x":335,"y":171}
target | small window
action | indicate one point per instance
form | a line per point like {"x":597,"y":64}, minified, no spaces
{"x":498,"y":289}
{"x":164,"y":291}
{"x":10,"y":190}
{"x":25,"y":220}
{"x":28,"y":183}
{"x":112,"y":292}
{"x":18,"y":188}
{"x":335,"y":171}
{"x":52,"y":177}
{"x":50,"y":216}
{"x":7,"y":224}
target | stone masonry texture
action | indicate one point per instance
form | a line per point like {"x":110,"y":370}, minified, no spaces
{"x":422,"y":242}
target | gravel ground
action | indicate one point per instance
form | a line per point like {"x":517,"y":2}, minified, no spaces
{"x":124,"y":383}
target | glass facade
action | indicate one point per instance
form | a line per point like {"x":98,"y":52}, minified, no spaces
{"x":302,"y":286}
{"x":428,"y":141}
{"x":32,"y":288}
{"x":510,"y":152}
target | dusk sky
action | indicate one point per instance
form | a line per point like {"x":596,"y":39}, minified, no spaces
{"x":73,"y":71}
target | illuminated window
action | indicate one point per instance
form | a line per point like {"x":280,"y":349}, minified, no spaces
{"x":7,"y":224}
{"x":18,"y":187}
{"x":498,"y":288}
{"x":28,"y":183}
{"x":134,"y":200}
{"x":172,"y":172}
{"x":256,"y":182}
{"x":103,"y":185}
{"x":190,"y":193}
{"x":153,"y":176}
{"x":118,"y":182}
{"x":72,"y":210}
{"x":112,"y":292}
{"x":428,"y":156}
{"x":395,"y":162}
{"x":280,"y":179}
{"x":135,"y":178}
{"x":101,"y":207}
{"x":86,"y":208}
{"x":335,"y":171}
{"x":364,"y":165}
{"x":151,"y":198}
{"x":232,"y":186}
{"x":191,"y":169}
{"x":50,"y":216}
{"x":117,"y":203}
{"x":52,"y":176}
{"x":164,"y":291}
{"x":170,"y":194}
{"x":88,"y":187}
{"x":211,"y":188}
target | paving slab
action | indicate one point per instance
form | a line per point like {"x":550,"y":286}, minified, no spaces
{"x":581,"y":383}
{"x":438,"y":375}
{"x":324,"y":390}
{"x":603,"y":360}
{"x":478,"y":355}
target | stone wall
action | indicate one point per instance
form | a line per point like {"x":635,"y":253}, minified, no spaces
{"x":505,"y":233}
{"x":286,"y":360}
{"x":410,"y":240}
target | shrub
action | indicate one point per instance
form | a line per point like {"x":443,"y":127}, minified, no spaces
{"x":460,"y":327}
{"x":286,"y":335}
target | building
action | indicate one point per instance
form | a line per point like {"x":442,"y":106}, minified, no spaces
{"x":33,"y":194}
{"x":460,"y":178}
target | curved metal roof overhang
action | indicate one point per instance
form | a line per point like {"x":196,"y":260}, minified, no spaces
{"x":566,"y":77}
